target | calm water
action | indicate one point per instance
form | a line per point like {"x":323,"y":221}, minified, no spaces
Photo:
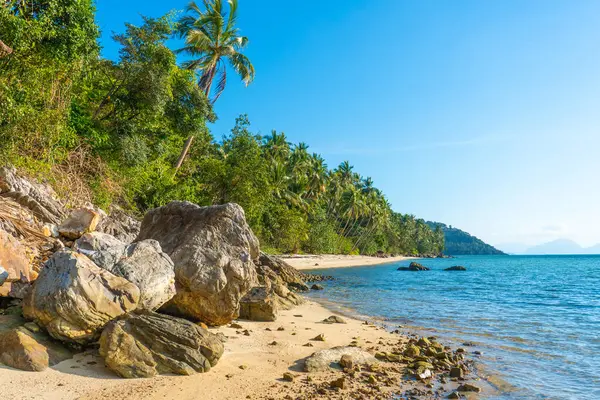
{"x":535,"y":318}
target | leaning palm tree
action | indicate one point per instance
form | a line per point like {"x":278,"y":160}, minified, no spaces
{"x":213,"y":41}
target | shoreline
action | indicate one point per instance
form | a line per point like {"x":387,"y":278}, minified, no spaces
{"x":303,"y":262}
{"x":252,"y":366}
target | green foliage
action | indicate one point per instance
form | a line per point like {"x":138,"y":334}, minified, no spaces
{"x":113,"y":131}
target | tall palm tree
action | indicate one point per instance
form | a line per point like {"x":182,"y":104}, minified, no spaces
{"x":213,"y":40}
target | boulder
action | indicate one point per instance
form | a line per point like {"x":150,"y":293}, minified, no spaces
{"x":23,"y":349}
{"x":456,"y":268}
{"x":213,"y":250}
{"x":14,"y":263}
{"x":334,"y":319}
{"x":316,"y":286}
{"x":120,"y":225}
{"x":74,"y":299}
{"x":325,"y":359}
{"x":414,"y":266}
{"x":143,"y":264}
{"x":39,"y":198}
{"x":95,"y":241}
{"x":259,"y":304}
{"x":285,"y":271}
{"x":147,"y":344}
{"x":80,"y":221}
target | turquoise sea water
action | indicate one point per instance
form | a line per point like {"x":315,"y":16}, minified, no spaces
{"x":536,"y":319}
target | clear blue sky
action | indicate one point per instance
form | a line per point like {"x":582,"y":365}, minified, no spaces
{"x":481,"y":114}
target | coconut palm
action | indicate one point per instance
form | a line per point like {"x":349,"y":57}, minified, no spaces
{"x":213,"y":41}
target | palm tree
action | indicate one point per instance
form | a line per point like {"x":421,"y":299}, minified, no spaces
{"x":212,"y":38}
{"x":213,"y":41}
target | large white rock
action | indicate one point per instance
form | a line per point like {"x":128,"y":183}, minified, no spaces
{"x":212,"y":249}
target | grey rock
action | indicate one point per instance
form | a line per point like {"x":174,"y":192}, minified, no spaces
{"x":213,"y":250}
{"x":259,"y":304}
{"x":147,"y":344}
{"x":456,"y":268}
{"x":73,"y":298}
{"x":145,"y":265}
{"x":92,"y":242}
{"x":334,"y":319}
{"x":325,"y":359}
{"x":39,"y":198}
{"x":414,"y":266}
{"x":120,"y":225}
{"x":81,"y":220}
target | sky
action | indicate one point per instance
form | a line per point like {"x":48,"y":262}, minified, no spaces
{"x":484,"y":115}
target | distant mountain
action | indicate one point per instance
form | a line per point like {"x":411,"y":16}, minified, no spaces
{"x":562,"y":246}
{"x":459,"y":242}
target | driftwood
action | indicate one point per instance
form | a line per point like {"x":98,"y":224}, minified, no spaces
{"x":4,"y":49}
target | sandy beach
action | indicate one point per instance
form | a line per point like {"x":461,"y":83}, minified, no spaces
{"x":252,"y":366}
{"x":316,"y":261}
{"x":264,"y":363}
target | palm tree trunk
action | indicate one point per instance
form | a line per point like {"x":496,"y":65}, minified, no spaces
{"x":189,"y":141}
{"x":186,"y":149}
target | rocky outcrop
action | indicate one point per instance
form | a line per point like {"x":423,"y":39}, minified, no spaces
{"x":92,"y":242}
{"x":260,"y":304}
{"x":14,"y":263}
{"x":73,"y":298}
{"x":414,"y":266}
{"x":120,"y":225}
{"x":456,"y":268}
{"x":284,"y":271}
{"x":23,"y":349}
{"x":213,"y":250}
{"x":143,"y":264}
{"x":323,"y":360}
{"x":39,"y":198}
{"x":144,"y":345}
{"x":82,"y":220}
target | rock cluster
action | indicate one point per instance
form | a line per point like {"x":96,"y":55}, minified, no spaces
{"x":84,"y":276}
{"x":414,"y":266}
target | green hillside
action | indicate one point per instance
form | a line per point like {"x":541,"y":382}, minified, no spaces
{"x":458,"y":242}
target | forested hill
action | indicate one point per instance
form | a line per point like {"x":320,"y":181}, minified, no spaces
{"x":459,"y":242}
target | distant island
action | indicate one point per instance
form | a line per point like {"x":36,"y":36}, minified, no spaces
{"x":459,"y":242}
{"x":555,"y":247}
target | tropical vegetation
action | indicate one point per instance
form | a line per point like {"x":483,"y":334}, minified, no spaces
{"x":113,"y":131}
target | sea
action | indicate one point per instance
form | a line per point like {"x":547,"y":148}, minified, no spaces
{"x":534,"y":319}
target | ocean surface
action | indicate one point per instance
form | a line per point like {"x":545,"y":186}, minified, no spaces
{"x":536,"y":319}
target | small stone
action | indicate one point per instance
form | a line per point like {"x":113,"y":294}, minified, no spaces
{"x":237,"y":326}
{"x":202,"y":325}
{"x":308,"y":345}
{"x":243,"y":366}
{"x":288,"y":377}
{"x":319,"y":338}
{"x":281,"y":328}
{"x":467,"y":387}
{"x":298,"y":315}
{"x":317,"y":287}
{"x":334,"y":319}
{"x":478,"y":353}
{"x":273,"y":343}
{"x":454,"y":395}
{"x":339,"y":383}
{"x":246,"y":332}
{"x":347,"y":361}
{"x":456,"y":372}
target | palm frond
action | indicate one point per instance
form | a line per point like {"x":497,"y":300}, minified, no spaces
{"x":244,"y":68}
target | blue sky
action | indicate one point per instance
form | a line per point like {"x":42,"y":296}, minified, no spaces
{"x":481,"y":114}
